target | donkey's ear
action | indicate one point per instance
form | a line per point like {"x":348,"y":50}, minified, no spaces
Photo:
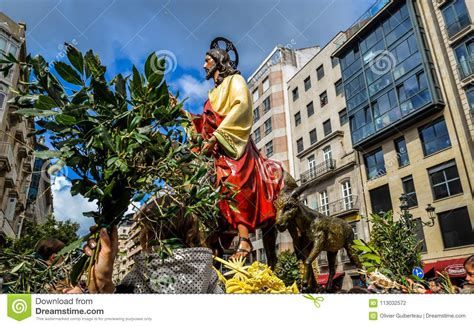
{"x":290,"y":183}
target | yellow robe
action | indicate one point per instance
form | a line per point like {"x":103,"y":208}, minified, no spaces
{"x":232,"y":99}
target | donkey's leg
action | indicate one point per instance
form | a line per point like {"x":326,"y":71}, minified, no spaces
{"x":354,"y":259}
{"x":269,"y":234}
{"x":332,"y":269}
{"x":308,"y":270}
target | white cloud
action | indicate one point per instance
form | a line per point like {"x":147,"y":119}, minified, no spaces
{"x":194,"y":89}
{"x":71,"y":207}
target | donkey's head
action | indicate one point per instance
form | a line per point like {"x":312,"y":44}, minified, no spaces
{"x":287,"y":203}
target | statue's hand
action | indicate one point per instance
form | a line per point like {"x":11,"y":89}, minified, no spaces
{"x":208,"y":146}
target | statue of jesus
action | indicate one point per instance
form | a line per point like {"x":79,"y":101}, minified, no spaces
{"x":225,"y":126}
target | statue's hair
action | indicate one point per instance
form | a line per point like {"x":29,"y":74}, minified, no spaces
{"x":222,"y":59}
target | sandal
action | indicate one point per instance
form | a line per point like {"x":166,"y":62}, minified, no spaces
{"x":247,"y":251}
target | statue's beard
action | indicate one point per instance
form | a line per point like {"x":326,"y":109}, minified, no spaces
{"x":210,"y":72}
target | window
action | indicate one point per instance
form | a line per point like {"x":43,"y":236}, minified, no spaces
{"x":269,"y":148}
{"x":323,"y":99}
{"x":402,"y":153}
{"x":347,"y":195}
{"x":343,"y":117}
{"x":456,"y":17}
{"x":334,"y":61}
{"x":312,"y":136}
{"x":374,"y":164}
{"x":255,"y":95}
{"x":266,"y":84}
{"x":311,"y":162}
{"x":299,"y":145}
{"x":465,"y":58}
{"x":297,"y":119}
{"x":3,"y":44}
{"x":327,"y":154}
{"x":256,"y":135}
{"x":268,"y":126}
{"x":385,"y":110}
{"x":327,"y":127}
{"x":456,"y":228}
{"x":470,"y":97}
{"x":307,"y":83}
{"x":434,"y":137}
{"x":380,"y":199}
{"x":361,"y":124}
{"x":266,"y":105}
{"x":256,"y":114}
{"x":320,"y":72}
{"x":409,"y":190}
{"x":310,"y":109}
{"x":420,"y":234}
{"x":2,"y":98}
{"x":445,"y":180}
{"x":413,"y":93}
{"x":324,"y":202}
{"x":295,"y":94}
{"x":338,"y":86}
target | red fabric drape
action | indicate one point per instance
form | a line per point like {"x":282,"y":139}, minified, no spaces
{"x":256,"y":179}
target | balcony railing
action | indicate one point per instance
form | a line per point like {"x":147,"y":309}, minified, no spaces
{"x":458,"y":25}
{"x":6,"y":153}
{"x":341,"y":205}
{"x":5,"y":226}
{"x":371,"y":12}
{"x":466,"y":67}
{"x":318,"y":170}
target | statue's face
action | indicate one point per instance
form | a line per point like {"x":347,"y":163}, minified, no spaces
{"x":209,"y":66}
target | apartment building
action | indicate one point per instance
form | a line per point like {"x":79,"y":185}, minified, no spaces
{"x":121,"y":264}
{"x":406,"y":72}
{"x":271,"y":131}
{"x":323,"y":155}
{"x":16,"y":160}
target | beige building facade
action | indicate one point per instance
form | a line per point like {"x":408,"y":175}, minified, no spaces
{"x":271,"y":131}
{"x":324,"y":158}
{"x":411,"y":121}
{"x":16,"y":159}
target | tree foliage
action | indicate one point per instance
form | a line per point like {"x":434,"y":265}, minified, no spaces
{"x":123,"y":138}
{"x":393,"y":247}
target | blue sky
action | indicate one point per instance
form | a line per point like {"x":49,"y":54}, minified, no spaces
{"x":125,"y":32}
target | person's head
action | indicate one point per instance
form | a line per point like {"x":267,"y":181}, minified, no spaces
{"x":358,"y":289}
{"x":48,"y":248}
{"x":218,"y":66}
{"x":435,"y":285}
{"x":469,"y":267}
{"x":183,"y":228}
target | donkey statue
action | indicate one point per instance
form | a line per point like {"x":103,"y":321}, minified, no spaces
{"x":312,"y":232}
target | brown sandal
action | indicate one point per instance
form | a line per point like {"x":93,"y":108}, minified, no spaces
{"x":247,"y":251}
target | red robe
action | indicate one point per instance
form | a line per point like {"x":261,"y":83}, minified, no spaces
{"x":256,"y":179}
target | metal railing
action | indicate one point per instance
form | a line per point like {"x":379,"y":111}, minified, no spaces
{"x":5,"y":226}
{"x":6,"y":151}
{"x":318,"y":170}
{"x":466,"y":66}
{"x":341,"y":205}
{"x":366,"y":16}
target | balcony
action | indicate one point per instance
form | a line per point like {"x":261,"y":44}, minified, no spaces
{"x":461,"y":23}
{"x":6,"y":156}
{"x":341,"y":206}
{"x":466,"y":67}
{"x":366,"y":17}
{"x":11,"y":178}
{"x":5,"y":226}
{"x":318,"y":171}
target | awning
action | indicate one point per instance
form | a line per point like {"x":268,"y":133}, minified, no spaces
{"x":454,"y":267}
{"x":323,"y":278}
